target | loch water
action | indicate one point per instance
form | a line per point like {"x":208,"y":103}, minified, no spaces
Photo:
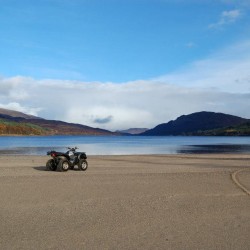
{"x":125,"y":145}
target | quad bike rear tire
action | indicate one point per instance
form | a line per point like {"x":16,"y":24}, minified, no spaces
{"x":63,"y":165}
{"x":51,"y":165}
{"x":83,"y":165}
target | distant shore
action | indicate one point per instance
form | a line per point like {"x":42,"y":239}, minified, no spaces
{"x":126,"y":202}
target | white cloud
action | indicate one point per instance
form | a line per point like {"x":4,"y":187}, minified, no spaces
{"x":226,"y":71}
{"x":226,"y":17}
{"x":220,"y":83}
{"x":17,"y":107}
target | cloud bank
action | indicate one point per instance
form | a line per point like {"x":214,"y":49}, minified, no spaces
{"x":220,"y":83}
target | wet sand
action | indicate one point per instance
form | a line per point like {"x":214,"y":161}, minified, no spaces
{"x":126,"y":202}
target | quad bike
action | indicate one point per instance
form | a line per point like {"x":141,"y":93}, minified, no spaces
{"x":65,"y":161}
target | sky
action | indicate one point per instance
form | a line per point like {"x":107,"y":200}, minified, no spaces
{"x":117,"y":64}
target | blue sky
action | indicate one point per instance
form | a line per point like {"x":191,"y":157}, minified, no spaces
{"x":125,"y":48}
{"x":112,"y":40}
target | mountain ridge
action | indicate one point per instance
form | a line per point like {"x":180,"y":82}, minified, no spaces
{"x":198,"y":121}
{"x":18,"y":123}
{"x":13,"y":113}
{"x":133,"y":131}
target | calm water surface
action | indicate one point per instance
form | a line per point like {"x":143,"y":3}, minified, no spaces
{"x":124,"y":145}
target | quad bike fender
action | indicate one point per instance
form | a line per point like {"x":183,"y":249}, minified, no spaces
{"x":82,"y":156}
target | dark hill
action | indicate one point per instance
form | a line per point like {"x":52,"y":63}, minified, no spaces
{"x":65,"y":128}
{"x":199,"y":121}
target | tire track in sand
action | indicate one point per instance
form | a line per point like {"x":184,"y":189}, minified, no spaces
{"x":237,"y":182}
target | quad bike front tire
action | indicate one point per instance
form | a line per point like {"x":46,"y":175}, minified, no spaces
{"x":51,"y":165}
{"x":83,"y":165}
{"x":63,"y":165}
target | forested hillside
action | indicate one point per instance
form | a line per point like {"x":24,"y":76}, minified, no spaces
{"x":15,"y":128}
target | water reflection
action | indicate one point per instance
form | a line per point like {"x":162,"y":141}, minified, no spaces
{"x":214,"y":149}
{"x":107,"y":149}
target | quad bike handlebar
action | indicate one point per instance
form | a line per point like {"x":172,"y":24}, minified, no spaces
{"x":72,"y":149}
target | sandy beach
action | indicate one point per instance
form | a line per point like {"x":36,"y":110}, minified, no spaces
{"x":127,"y":202}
